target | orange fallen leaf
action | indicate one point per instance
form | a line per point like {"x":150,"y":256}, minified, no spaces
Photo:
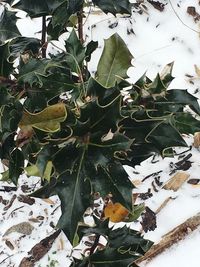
{"x":115,"y":212}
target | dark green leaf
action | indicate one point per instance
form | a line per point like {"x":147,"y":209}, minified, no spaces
{"x":114,"y":181}
{"x":74,"y":192}
{"x":165,"y":136}
{"x":30,"y":72}
{"x":38,"y":8}
{"x":90,"y":48}
{"x":6,"y":67}
{"x":8,"y":28}
{"x":186,"y":123}
{"x":126,"y":237}
{"x":5,"y":97}
{"x":62,"y":15}
{"x":75,"y":50}
{"x":16,"y":165}
{"x":22,"y":45}
{"x":114,"y":6}
{"x":157,"y":86}
{"x":43,"y":157}
{"x":183,"y":97}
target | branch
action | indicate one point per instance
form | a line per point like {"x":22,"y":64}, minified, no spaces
{"x":43,"y":39}
{"x":80,"y":25}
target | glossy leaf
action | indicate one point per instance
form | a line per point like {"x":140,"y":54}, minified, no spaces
{"x":61,"y":16}
{"x":123,"y":248}
{"x":8,"y":28}
{"x":16,"y":165}
{"x":183,"y":97}
{"x":37,"y":8}
{"x":165,"y":136}
{"x":186,"y":123}
{"x":22,"y":45}
{"x":74,"y":192}
{"x":75,"y":50}
{"x":114,"y":6}
{"x":114,"y":62}
{"x":6,"y":67}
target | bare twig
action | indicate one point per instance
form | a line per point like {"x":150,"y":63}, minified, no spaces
{"x":10,"y":203}
{"x":172,"y":237}
{"x":164,"y":203}
{"x":43,"y":39}
{"x":181,"y":19}
{"x":80,"y":25}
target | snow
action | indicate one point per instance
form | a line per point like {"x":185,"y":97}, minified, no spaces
{"x":158,"y":39}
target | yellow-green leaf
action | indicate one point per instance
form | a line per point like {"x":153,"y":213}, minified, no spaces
{"x":48,"y":170}
{"x":33,"y":170}
{"x":48,"y":120}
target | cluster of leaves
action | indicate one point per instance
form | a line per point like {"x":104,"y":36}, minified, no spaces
{"x":123,"y":247}
{"x":156,"y":117}
{"x":76,"y":131}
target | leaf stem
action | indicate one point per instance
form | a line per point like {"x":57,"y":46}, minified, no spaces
{"x":95,"y":244}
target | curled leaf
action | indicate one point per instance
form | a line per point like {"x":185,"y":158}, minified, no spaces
{"x":48,"y":120}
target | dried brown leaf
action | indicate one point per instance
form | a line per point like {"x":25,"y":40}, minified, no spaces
{"x":148,"y":220}
{"x":196,"y":143}
{"x":176,"y":181}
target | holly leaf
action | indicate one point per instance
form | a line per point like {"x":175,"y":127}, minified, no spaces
{"x":8,"y":28}
{"x":126,"y":237}
{"x":48,"y":120}
{"x":5,"y":97}
{"x":61,"y":16}
{"x":165,"y":136}
{"x":16,"y":165}
{"x":183,"y":97}
{"x":75,"y":51}
{"x":114,"y":62}
{"x":6,"y":67}
{"x":124,"y":246}
{"x":115,"y":181}
{"x":90,"y":48}
{"x":74,"y":192}
{"x":22,"y":45}
{"x":37,"y":8}
{"x":186,"y":123}
{"x":114,"y":6}
{"x":31,"y":71}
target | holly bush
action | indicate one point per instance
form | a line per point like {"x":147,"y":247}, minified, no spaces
{"x":76,"y":130}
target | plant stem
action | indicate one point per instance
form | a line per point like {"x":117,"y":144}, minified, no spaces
{"x":80,"y":25}
{"x":95,"y":244}
{"x":43,"y":39}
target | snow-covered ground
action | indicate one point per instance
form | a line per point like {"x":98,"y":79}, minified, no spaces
{"x":155,"y":39}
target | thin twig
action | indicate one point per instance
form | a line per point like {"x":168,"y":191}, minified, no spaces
{"x":43,"y":39}
{"x":6,"y":259}
{"x":181,"y":19}
{"x":14,"y":211}
{"x":80,"y":25}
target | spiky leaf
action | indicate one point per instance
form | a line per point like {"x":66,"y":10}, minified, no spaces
{"x":8,"y":28}
{"x":16,"y":165}
{"x":114,"y":62}
{"x":6,"y":67}
{"x":114,"y":6}
{"x":48,"y":120}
